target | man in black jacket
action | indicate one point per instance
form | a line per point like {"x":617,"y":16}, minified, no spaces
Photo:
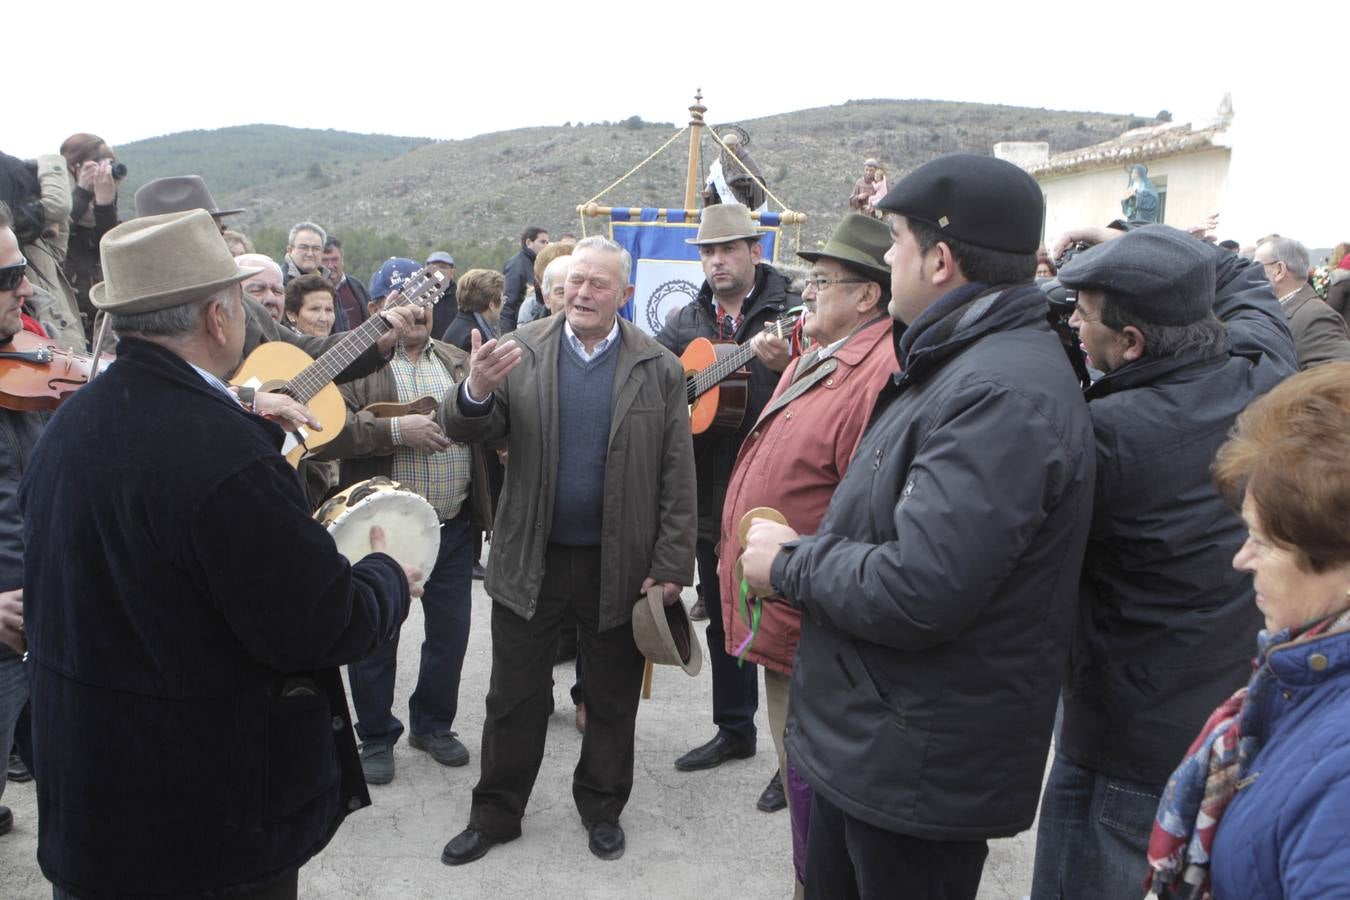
{"x":938,"y":592}
{"x":519,"y":272}
{"x":741,"y":294}
{"x":1165,"y":624}
{"x":185,"y":615}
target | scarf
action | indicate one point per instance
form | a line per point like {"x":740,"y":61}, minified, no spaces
{"x":953,"y":312}
{"x":1213,"y":770}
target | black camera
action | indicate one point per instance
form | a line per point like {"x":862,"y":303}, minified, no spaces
{"x":119,"y":170}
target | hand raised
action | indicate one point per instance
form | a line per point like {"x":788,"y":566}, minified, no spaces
{"x":490,"y":363}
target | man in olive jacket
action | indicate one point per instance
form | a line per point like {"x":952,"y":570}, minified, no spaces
{"x":598,"y":505}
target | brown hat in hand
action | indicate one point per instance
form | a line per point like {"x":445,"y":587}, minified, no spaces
{"x":158,"y":262}
{"x":664,"y":634}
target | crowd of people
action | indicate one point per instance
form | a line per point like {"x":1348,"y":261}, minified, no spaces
{"x":960,"y":533}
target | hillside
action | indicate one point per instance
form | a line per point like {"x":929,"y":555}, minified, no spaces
{"x":473,"y":196}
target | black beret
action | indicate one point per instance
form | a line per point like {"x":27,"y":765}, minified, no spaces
{"x":980,"y":200}
{"x":1162,"y":275}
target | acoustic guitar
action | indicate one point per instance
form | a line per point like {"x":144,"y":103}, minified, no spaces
{"x":279,"y":367}
{"x":718,"y":381}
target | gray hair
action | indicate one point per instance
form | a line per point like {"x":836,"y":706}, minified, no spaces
{"x":555,"y":271}
{"x":1207,"y":337}
{"x":176,"y":321}
{"x":600,"y":242}
{"x":1293,"y":254}
{"x":306,"y":226}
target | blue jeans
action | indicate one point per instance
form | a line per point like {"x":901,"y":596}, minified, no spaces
{"x":13,"y":695}
{"x":446,"y":607}
{"x":1092,"y":841}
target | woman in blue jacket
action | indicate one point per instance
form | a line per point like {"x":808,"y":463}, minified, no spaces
{"x":1261,"y":805}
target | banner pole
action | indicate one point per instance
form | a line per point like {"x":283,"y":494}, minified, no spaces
{"x":695,"y":172}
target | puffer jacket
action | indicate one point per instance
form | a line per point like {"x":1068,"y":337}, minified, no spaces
{"x":938,"y":593}
{"x":1286,"y":833}
{"x":715,"y":454}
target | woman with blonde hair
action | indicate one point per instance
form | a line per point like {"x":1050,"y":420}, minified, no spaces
{"x":1258,"y":809}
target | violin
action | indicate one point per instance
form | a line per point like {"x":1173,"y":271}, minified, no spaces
{"x":37,"y":374}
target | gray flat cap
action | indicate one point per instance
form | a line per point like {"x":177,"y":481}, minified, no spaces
{"x":1162,"y":275}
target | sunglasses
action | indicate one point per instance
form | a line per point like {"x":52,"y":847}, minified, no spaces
{"x":12,"y":276}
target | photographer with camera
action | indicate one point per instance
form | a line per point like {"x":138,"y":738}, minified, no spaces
{"x":38,"y":194}
{"x":1182,"y":336}
{"x":94,"y":173}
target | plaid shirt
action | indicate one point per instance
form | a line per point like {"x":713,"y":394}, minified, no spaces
{"x":442,"y":478}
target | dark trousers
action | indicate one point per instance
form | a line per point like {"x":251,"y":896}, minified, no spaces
{"x":846,"y":858}
{"x":446,"y":607}
{"x":521,"y":694}
{"x":735,"y":689}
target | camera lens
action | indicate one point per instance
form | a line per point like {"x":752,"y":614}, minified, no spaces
{"x":119,"y":170}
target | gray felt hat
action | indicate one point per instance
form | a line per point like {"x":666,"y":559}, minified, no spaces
{"x":1162,"y":275}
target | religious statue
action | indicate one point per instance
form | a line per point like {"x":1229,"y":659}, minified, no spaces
{"x":729,"y":177}
{"x":1140,"y":203}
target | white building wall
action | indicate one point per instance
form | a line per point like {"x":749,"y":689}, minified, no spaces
{"x":1197,"y":186}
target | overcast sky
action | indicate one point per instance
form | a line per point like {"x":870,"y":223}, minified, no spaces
{"x":131,"y":70}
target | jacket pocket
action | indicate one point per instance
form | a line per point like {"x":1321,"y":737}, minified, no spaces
{"x":302,"y":762}
{"x":862,"y":676}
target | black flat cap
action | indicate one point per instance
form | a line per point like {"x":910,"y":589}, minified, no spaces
{"x":980,"y":200}
{"x":1158,"y":273}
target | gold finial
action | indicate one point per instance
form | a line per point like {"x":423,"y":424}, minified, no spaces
{"x":698,"y":109}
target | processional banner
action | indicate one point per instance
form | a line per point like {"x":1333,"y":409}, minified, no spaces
{"x":666,"y":271}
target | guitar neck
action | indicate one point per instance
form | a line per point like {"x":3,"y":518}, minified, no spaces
{"x":416,"y":291}
{"x":719,"y":371}
{"x":318,"y":374}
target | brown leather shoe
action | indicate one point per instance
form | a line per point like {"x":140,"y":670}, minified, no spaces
{"x":581,"y":718}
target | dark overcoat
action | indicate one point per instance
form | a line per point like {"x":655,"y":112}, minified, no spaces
{"x":185,"y":619}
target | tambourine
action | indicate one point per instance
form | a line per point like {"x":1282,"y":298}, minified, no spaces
{"x":743,"y":532}
{"x":412,"y":530}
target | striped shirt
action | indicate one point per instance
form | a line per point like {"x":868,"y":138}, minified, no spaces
{"x":442,"y":478}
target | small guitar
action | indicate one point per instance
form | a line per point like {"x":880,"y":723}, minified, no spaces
{"x":717,"y":380}
{"x":279,"y":367}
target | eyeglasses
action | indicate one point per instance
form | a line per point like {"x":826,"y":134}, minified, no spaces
{"x":12,"y":276}
{"x":821,"y":283}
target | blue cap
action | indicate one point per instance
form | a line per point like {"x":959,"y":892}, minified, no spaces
{"x":390,"y":275}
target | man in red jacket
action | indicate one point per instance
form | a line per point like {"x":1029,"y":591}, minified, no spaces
{"x":801,"y":446}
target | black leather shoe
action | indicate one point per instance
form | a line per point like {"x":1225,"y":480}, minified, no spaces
{"x":773,"y":799}
{"x":713,"y":754}
{"x":467,"y":846}
{"x":606,"y":840}
{"x":7,"y":822}
{"x":18,"y":772}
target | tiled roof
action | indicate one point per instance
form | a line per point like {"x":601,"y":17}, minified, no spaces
{"x":1137,"y":145}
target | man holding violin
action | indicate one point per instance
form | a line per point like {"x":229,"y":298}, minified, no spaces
{"x":19,"y":431}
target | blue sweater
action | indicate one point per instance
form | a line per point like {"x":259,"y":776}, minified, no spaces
{"x":585,"y":396}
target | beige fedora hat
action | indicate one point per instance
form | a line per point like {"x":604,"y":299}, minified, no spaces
{"x":664,"y":634}
{"x":157,"y":262}
{"x":724,"y":222}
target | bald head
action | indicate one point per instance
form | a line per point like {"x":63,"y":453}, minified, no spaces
{"x":265,"y":287}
